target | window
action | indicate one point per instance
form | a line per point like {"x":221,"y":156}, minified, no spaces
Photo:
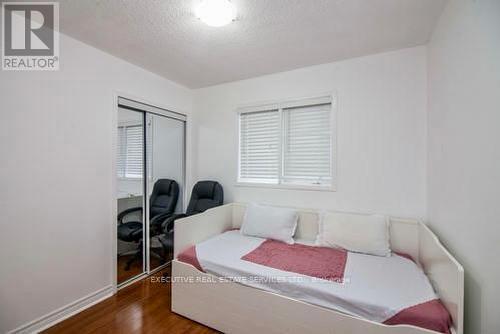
{"x":259,"y":146}
{"x":287,"y":144}
{"x":129,"y":162}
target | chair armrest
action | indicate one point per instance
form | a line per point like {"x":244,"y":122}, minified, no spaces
{"x":191,"y":230}
{"x":158,"y":220}
{"x":137,"y":234}
{"x":122,"y":214}
{"x":168,"y":225}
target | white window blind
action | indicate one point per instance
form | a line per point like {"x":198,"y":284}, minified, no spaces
{"x":307,"y":144}
{"x":289,"y":145}
{"x":121,"y":154}
{"x":130,"y":151}
{"x":259,"y":146}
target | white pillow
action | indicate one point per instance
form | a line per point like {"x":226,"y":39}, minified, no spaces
{"x":367,"y":234}
{"x":270,"y":223}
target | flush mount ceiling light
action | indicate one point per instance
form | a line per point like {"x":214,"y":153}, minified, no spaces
{"x":216,"y":13}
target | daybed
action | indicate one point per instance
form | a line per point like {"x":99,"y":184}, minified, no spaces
{"x":232,"y":307}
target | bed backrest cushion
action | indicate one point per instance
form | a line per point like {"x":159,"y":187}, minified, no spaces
{"x":270,"y":222}
{"x":368,"y":234}
{"x":404,"y":233}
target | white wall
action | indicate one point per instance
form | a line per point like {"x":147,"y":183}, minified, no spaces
{"x":381,"y":144}
{"x":57,"y":186}
{"x":464,"y":153}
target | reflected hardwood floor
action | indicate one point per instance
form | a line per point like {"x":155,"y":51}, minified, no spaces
{"x":143,"y":307}
{"x":134,"y":270}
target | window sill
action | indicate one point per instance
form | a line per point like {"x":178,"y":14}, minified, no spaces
{"x":330,"y":188}
{"x":131,"y":178}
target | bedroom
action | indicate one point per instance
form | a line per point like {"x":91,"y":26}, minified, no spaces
{"x":409,"y":89}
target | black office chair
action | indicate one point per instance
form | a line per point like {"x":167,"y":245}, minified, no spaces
{"x":161,"y":206}
{"x":205,"y":195}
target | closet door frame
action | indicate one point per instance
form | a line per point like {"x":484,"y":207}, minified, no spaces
{"x":127,"y":101}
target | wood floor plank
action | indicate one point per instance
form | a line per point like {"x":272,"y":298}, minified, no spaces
{"x":143,"y":307}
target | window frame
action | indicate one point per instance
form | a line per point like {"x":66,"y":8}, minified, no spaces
{"x":280,"y":105}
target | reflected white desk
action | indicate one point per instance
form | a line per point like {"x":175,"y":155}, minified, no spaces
{"x":127,"y":201}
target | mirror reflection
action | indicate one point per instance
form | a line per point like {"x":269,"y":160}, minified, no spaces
{"x":165,"y":142}
{"x":130,"y":190}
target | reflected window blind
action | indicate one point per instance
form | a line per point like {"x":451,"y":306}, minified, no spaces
{"x":121,"y":154}
{"x":130,"y":153}
{"x":307,"y":145}
{"x":259,"y":146}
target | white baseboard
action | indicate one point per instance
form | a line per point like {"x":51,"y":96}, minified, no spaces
{"x":64,"y":312}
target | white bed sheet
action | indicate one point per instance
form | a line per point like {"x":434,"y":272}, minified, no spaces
{"x":375,"y":288}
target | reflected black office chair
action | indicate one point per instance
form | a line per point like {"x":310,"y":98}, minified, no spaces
{"x":205,"y":195}
{"x":161,"y":206}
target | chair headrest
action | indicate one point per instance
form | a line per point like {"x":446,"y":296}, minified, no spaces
{"x":205,"y":195}
{"x":163,"y":186}
{"x":204,"y":189}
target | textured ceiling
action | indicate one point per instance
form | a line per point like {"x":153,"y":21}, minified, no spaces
{"x":270,"y":36}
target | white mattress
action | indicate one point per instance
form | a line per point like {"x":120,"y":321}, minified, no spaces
{"x":375,"y":288}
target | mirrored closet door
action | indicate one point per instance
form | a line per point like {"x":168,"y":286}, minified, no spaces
{"x":165,"y":142}
{"x":130,"y":193}
{"x":150,"y":160}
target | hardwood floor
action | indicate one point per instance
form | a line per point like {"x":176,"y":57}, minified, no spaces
{"x":143,"y":307}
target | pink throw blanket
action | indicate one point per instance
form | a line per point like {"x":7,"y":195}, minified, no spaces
{"x":430,"y":315}
{"x":320,"y":262}
{"x":189,"y":256}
